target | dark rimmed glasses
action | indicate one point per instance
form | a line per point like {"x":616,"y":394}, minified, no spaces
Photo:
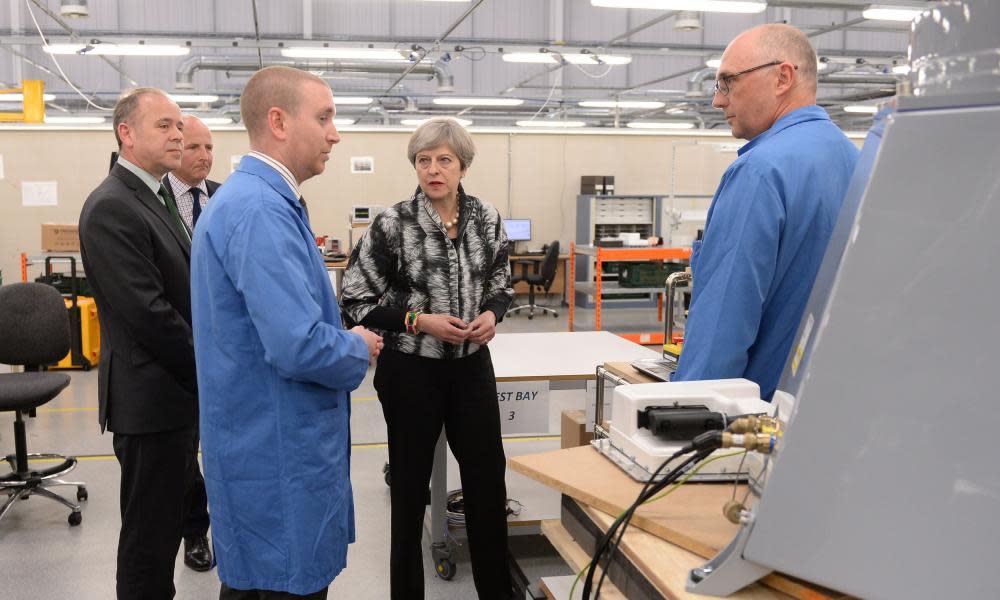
{"x":724,"y":83}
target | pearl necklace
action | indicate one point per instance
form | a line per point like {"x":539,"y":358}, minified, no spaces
{"x":449,"y":224}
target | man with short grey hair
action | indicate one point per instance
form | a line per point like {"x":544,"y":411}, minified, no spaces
{"x":136,"y":253}
{"x":772,"y":214}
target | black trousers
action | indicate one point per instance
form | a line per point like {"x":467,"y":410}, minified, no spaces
{"x":158,"y":470}
{"x":420,"y":395}
{"x":228,"y":593}
{"x":196,"y":521}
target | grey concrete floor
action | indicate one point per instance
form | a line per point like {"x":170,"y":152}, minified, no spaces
{"x":43,"y":558}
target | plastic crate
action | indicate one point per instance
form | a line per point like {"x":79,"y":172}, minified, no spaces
{"x":90,"y":336}
{"x":647,"y":274}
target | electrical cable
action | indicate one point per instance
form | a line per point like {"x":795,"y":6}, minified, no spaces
{"x":687,"y":477}
{"x":65,"y":78}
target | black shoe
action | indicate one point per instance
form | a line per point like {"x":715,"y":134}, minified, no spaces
{"x":197,"y":553}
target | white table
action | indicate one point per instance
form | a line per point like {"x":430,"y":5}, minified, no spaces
{"x":566,"y":359}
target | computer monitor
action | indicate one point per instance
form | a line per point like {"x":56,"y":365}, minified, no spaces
{"x":518,"y":230}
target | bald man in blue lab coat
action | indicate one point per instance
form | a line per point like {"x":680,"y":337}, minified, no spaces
{"x":772,"y":214}
{"x":275,"y":365}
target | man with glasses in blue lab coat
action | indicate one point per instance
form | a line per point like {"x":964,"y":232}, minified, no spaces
{"x":772,"y":214}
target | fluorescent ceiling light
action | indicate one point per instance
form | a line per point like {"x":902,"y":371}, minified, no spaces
{"x":193,"y":98}
{"x":344,"y":121}
{"x":861,"y":108}
{"x":20,"y":98}
{"x":560,"y":124}
{"x":478,"y":101}
{"x":217,"y":120}
{"x":622,"y":104}
{"x":119,"y":49}
{"x":359,"y":100}
{"x":419,"y":122}
{"x":356,"y":53}
{"x":576,"y":58}
{"x":730,"y":6}
{"x":901,"y":70}
{"x":713,"y":63}
{"x":660,"y":125}
{"x":74,"y":120}
{"x":890,"y":13}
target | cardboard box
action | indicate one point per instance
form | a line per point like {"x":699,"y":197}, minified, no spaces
{"x":573,"y":429}
{"x":60,"y":237}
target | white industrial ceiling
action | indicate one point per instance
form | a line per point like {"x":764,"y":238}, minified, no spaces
{"x":451,"y":49}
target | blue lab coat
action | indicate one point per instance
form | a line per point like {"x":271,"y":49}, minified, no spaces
{"x":765,"y":236}
{"x":275,"y":369}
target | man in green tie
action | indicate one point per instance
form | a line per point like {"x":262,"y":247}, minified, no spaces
{"x":136,"y":252}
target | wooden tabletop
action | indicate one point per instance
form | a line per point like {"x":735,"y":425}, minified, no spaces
{"x":691,"y":518}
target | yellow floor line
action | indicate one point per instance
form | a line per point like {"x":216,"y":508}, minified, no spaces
{"x":69,"y":409}
{"x":368,"y":446}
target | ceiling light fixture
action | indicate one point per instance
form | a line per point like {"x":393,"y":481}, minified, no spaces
{"x":194,"y":98}
{"x":575,"y":58}
{"x":419,"y":122}
{"x":877,"y":12}
{"x":340,"y":122}
{"x":118,"y":49}
{"x":4,"y":98}
{"x":352,"y":100}
{"x":73,"y":120}
{"x":660,"y":125}
{"x":478,"y":101}
{"x":346,"y":53}
{"x":901,"y":70}
{"x":650,"y":104}
{"x":869,"y":109}
{"x":559,"y":124}
{"x":713,"y":63}
{"x":217,"y":120}
{"x":730,"y":6}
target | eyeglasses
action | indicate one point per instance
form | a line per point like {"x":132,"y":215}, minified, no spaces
{"x":723,"y":85}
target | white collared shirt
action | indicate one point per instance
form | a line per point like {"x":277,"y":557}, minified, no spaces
{"x":185,"y":199}
{"x":281,"y":169}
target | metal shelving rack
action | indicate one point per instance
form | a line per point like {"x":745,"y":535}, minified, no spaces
{"x":599,"y":288}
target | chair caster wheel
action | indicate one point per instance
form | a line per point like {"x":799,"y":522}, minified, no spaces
{"x":445,"y":569}
{"x":387,"y":475}
{"x":75,"y":518}
{"x":81,"y":494}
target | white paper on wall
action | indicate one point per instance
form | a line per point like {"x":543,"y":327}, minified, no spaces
{"x":39,"y":193}
{"x":1,"y":166}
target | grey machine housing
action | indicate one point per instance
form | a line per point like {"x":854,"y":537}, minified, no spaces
{"x":887,"y":483}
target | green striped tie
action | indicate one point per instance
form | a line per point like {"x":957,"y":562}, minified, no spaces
{"x":171,"y":204}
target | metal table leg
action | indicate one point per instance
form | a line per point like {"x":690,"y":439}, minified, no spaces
{"x":442,"y":547}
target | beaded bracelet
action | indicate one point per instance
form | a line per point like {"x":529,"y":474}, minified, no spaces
{"x":410,"y":321}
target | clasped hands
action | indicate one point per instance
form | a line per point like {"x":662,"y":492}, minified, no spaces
{"x":455,"y":331}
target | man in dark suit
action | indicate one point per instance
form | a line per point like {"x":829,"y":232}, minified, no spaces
{"x":136,"y":252}
{"x":191,"y":190}
{"x":189,"y":182}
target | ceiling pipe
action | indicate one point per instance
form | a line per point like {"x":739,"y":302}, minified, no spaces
{"x":185,"y":73}
{"x":697,"y":79}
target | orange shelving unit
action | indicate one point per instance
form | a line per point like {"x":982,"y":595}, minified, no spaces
{"x":601,"y":255}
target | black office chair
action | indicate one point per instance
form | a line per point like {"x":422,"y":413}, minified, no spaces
{"x":542,"y":279}
{"x":34,"y":331}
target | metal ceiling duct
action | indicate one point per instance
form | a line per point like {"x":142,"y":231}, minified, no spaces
{"x":74,"y":9}
{"x":185,"y":73}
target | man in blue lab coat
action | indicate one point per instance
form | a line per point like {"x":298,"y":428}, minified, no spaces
{"x":772,"y":214}
{"x":275,"y":365}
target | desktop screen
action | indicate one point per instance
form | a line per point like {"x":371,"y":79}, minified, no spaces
{"x":518,"y":230}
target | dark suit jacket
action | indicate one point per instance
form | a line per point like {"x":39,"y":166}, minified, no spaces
{"x":138,"y":263}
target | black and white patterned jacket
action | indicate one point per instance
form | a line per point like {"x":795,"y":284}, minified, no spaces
{"x":406,"y":261}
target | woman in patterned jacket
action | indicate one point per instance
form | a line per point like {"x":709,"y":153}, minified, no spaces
{"x":433,"y":276}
